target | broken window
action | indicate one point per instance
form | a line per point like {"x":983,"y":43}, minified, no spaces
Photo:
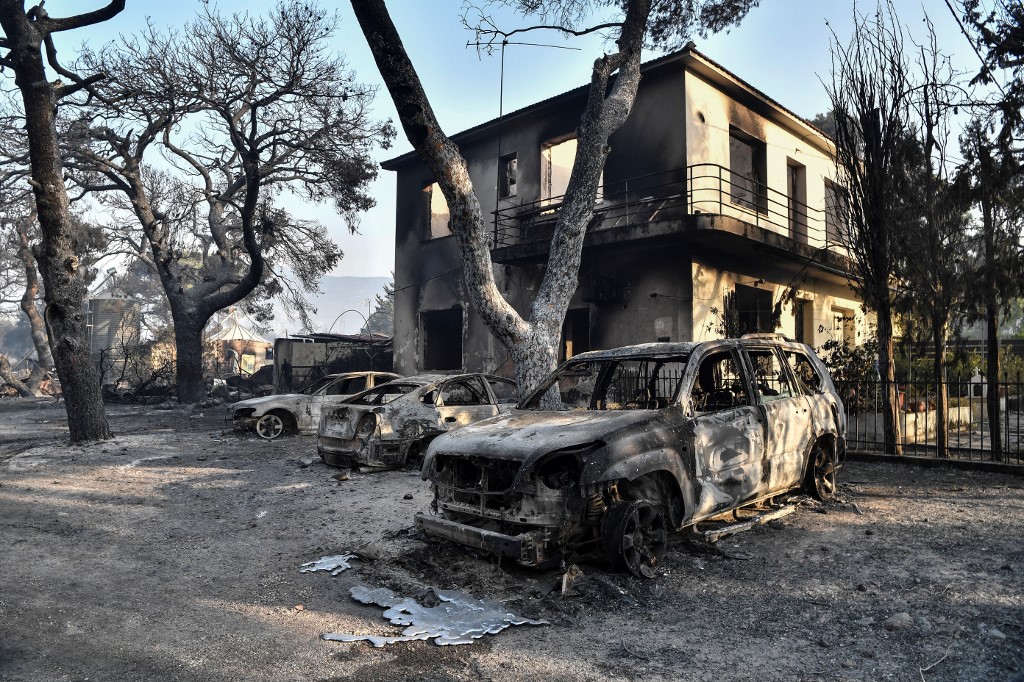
{"x":441,"y":331}
{"x":507,"y":168}
{"x":347,"y":386}
{"x":719,"y":384}
{"x":753,"y":309}
{"x":465,"y":392}
{"x":770,"y":377}
{"x":504,"y":390}
{"x":556,"y":162}
{"x":747,"y":170}
{"x":808,"y":380}
{"x":436,"y":211}
{"x":384,"y":394}
{"x":836,"y":212}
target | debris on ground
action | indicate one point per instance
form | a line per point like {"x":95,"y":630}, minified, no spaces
{"x":447,"y":617}
{"x":336,"y":564}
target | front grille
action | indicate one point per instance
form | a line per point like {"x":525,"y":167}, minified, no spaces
{"x":476,"y":475}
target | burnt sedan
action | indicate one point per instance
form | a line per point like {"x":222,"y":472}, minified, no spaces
{"x":619,"y":446}
{"x":274,"y":415}
{"x":385,"y":426}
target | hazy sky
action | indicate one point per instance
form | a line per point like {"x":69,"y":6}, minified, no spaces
{"x":782,"y":48}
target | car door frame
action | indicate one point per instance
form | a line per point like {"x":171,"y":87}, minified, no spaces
{"x":787,"y":421}
{"x":727,"y":445}
{"x":448,"y":415}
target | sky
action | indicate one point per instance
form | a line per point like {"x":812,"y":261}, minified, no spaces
{"x":781,"y":48}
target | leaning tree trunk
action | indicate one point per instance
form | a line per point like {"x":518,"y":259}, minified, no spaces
{"x":57,"y":254}
{"x":44,"y":360}
{"x":941,"y":388}
{"x":7,"y":377}
{"x":533,"y":344}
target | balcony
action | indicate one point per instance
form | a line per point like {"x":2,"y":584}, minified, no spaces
{"x":670,"y":203}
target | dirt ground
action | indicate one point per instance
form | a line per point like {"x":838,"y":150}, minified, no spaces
{"x":173,"y":553}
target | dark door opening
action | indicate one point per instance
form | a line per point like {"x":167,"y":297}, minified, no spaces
{"x":575,"y":333}
{"x":442,"y":338}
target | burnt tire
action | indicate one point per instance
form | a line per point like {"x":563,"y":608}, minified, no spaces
{"x":635,"y":534}
{"x":270,"y":426}
{"x":821,"y":474}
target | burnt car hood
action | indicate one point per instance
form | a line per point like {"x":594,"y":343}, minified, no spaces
{"x":523,"y":434}
{"x":278,"y":398}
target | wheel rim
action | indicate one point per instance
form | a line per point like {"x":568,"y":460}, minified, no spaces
{"x":641,"y":538}
{"x":824,"y":475}
{"x":270,"y":426}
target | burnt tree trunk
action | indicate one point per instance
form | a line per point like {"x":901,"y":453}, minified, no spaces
{"x":941,"y":388}
{"x":532,"y":344}
{"x":890,"y":391}
{"x":188,"y":342}
{"x":44,"y":360}
{"x":7,"y":377}
{"x":995,"y":426}
{"x":57,"y":254}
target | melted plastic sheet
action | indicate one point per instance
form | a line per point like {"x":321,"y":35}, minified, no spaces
{"x":457,"y":619}
{"x":335,"y":564}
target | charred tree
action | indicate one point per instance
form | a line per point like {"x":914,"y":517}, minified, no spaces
{"x":871,"y":96}
{"x":275,"y":112}
{"x":58,"y":254}
{"x":532,"y":342}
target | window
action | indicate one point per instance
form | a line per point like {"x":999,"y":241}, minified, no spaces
{"x":770,"y":377}
{"x":436,"y":212}
{"x":465,"y":392}
{"x":504,"y":390}
{"x":507,"y":168}
{"x":719,"y":385}
{"x":556,"y":161}
{"x":347,"y":386}
{"x":797,"y":196}
{"x":836,"y":212}
{"x":844,"y":325}
{"x":441,"y":331}
{"x":808,"y":380}
{"x":747,"y":169}
{"x":753,"y":309}
{"x":803,"y":321}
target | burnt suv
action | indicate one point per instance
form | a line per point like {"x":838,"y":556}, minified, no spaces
{"x":618,"y":446}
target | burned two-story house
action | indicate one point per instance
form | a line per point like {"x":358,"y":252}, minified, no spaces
{"x":717,"y":213}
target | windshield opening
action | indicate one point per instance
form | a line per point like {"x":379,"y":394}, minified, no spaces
{"x":317,"y":385}
{"x":627,"y":384}
{"x":382,"y":394}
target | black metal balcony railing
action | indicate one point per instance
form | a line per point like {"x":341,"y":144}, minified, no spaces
{"x":698,"y":189}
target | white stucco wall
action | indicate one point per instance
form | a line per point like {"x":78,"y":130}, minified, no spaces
{"x":711,"y":283}
{"x":709,"y":115}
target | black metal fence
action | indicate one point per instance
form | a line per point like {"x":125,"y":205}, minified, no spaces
{"x":969,"y":432}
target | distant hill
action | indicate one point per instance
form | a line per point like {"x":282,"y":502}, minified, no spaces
{"x":339,"y":293}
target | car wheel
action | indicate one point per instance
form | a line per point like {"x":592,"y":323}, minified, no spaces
{"x":635,"y":536}
{"x":270,"y":426}
{"x":821,"y":478}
